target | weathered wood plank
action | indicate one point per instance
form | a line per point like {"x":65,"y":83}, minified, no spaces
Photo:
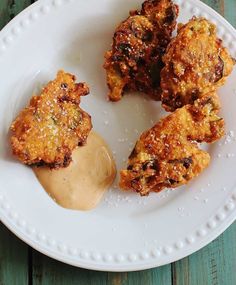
{"x":213,"y":265}
{"x":161,"y":275}
{"x":13,"y":259}
{"x":4,"y":15}
{"x":230,"y":11}
{"x":48,"y":271}
{"x":10,"y":8}
{"x":218,"y":5}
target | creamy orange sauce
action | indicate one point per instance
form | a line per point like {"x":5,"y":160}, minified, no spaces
{"x":83,"y":183}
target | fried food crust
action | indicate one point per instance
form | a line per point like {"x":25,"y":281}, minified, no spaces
{"x":196,"y":63}
{"x":53,"y":125}
{"x":167,"y":156}
{"x":134,"y":62}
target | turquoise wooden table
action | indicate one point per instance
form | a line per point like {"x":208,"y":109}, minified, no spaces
{"x":213,"y":265}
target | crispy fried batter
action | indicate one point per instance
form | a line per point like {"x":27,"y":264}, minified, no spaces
{"x":53,"y":125}
{"x":139,"y":42}
{"x":196,"y":63}
{"x":167,"y":156}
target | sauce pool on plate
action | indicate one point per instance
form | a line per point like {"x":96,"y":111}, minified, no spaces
{"x":83,"y":183}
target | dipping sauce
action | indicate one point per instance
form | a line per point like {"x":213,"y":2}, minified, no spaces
{"x":83,"y":183}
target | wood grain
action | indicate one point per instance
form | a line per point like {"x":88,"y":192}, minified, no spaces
{"x":213,"y":265}
{"x":48,"y":271}
{"x":10,"y":8}
{"x":217,"y":5}
{"x":13,"y":259}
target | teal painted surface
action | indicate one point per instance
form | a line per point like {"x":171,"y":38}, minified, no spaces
{"x":213,"y":265}
{"x":10,"y":8}
{"x":13,"y":259}
{"x":48,"y":271}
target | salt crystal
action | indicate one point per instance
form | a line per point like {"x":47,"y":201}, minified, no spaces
{"x":231,"y":134}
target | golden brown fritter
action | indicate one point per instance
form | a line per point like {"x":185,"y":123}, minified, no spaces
{"x":139,"y":42}
{"x":168,"y":156}
{"x":196,"y":63}
{"x":53,"y":125}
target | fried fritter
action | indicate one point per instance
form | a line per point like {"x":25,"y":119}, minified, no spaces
{"x":53,"y":125}
{"x":139,"y":42}
{"x":196,"y":63}
{"x":168,"y":156}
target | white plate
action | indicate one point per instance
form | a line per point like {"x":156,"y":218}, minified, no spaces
{"x":125,"y":232}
